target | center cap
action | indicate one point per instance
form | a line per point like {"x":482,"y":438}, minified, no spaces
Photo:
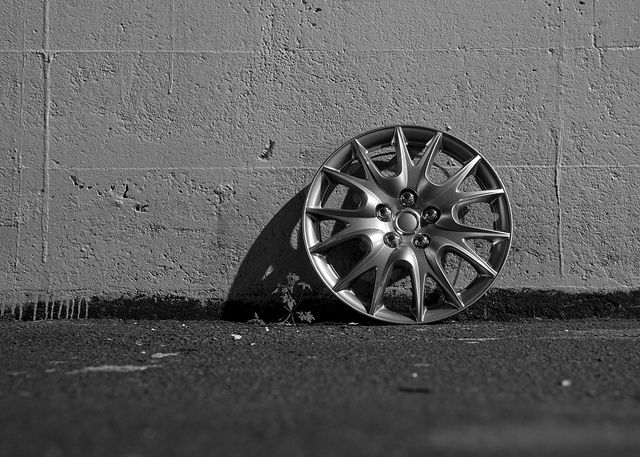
{"x":407,"y":222}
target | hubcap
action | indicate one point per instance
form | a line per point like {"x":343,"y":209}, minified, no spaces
{"x":429,"y":233}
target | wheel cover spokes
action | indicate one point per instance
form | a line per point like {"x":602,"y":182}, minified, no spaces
{"x":407,"y":224}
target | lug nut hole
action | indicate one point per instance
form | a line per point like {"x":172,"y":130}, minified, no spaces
{"x":392,"y":240}
{"x":384,"y":213}
{"x":408,"y":198}
{"x":431,"y":215}
{"x":421,"y":240}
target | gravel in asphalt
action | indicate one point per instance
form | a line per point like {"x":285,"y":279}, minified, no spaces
{"x":191,"y":388}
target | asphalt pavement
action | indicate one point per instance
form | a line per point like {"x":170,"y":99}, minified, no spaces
{"x":105,"y":387}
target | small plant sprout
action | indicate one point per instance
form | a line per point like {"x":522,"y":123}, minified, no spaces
{"x":256,"y":320}
{"x":288,"y":292}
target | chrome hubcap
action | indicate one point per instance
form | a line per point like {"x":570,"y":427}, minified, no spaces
{"x":407,"y":224}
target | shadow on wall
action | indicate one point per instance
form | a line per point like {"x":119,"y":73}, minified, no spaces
{"x":277,"y":251}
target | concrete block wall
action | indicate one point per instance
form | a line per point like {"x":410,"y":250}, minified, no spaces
{"x":163,"y":147}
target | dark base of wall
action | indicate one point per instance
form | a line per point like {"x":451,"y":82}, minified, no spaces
{"x":499,"y":305}
{"x":514,"y":304}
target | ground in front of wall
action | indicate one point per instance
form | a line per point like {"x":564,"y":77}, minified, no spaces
{"x":136,"y":388}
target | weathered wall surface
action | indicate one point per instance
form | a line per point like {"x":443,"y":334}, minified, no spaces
{"x":162,"y":147}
